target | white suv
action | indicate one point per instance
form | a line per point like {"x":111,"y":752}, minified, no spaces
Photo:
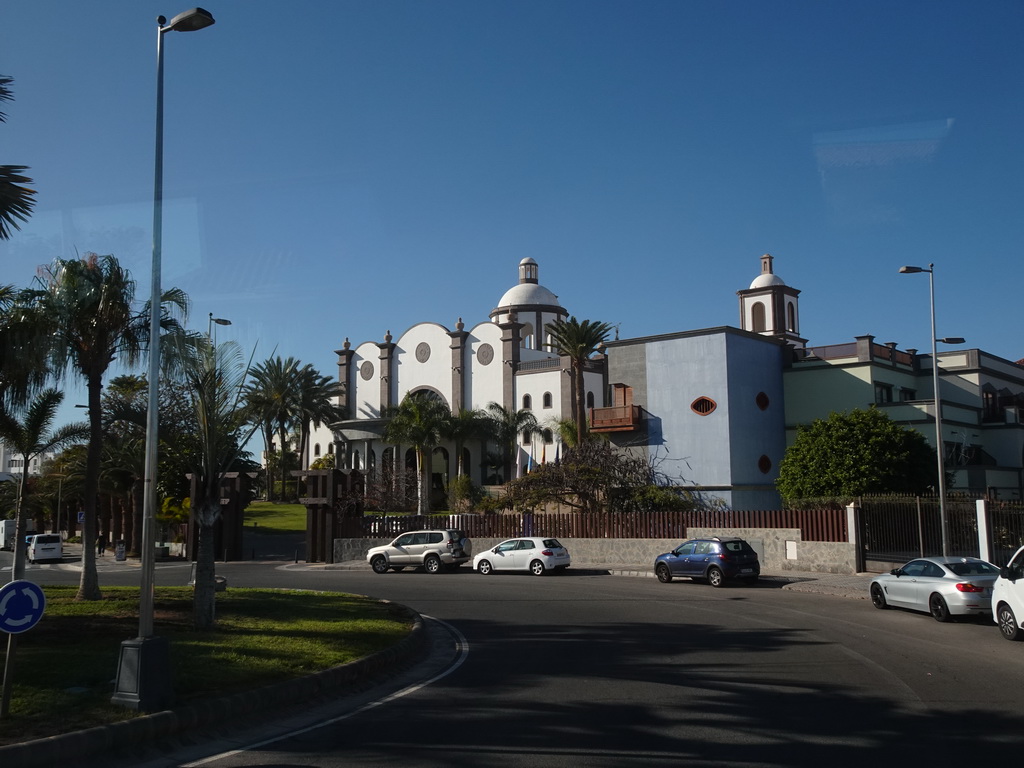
{"x":1008,"y":597}
{"x":431,"y":550}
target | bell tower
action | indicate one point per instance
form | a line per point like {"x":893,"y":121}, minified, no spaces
{"x":770,"y":307}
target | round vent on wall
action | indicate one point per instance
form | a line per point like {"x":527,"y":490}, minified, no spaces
{"x":762,"y":401}
{"x":764,"y":464}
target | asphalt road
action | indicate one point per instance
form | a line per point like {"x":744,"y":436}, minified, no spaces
{"x":594,"y":670}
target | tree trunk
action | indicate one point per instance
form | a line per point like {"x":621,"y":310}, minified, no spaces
{"x":205,"y":595}
{"x":89,"y":584}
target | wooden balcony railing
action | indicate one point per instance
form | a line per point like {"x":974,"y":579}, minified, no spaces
{"x":618,"y":418}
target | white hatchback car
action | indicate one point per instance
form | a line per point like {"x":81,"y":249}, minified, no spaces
{"x":1008,"y":598}
{"x":534,"y":554}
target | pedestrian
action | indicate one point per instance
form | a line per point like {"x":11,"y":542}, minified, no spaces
{"x":101,"y":545}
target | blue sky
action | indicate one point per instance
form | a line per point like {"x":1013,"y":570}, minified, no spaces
{"x":341,"y":169}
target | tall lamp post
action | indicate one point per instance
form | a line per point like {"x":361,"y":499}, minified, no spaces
{"x":143,"y":674}
{"x":218,"y":321}
{"x":939,"y":444}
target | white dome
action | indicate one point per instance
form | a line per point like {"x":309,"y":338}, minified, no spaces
{"x":528,"y":294}
{"x":767,"y":280}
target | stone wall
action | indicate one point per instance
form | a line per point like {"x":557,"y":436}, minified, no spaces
{"x":779,"y":549}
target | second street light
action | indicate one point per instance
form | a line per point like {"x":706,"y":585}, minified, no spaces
{"x":940,"y":449}
{"x":143,"y":674}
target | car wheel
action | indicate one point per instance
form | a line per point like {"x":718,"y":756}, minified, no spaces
{"x":379,"y":564}
{"x":878,"y":597}
{"x":939,"y":609}
{"x":537,"y":568}
{"x":664,"y":574}
{"x":715,"y":577}
{"x":484,"y":567}
{"x":1008,"y":626}
{"x":432,"y":564}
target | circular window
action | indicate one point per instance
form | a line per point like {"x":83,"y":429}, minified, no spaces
{"x":366,"y":370}
{"x":762,"y":401}
{"x":485,"y":354}
{"x":703,"y":406}
{"x":764,"y":464}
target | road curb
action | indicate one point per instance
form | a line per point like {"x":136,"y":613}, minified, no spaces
{"x":69,"y":748}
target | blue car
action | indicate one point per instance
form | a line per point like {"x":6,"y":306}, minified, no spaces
{"x":712,"y":560}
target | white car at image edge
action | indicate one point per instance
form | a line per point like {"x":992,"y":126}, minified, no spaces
{"x":1008,"y":598}
{"x":535,"y":554}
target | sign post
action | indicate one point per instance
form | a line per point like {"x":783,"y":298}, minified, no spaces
{"x":22,"y":604}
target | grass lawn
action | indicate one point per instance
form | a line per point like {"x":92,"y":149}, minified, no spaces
{"x":66,"y":664}
{"x":272,"y":518}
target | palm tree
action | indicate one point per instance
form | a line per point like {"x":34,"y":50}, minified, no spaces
{"x":314,"y":404}
{"x":215,"y":381}
{"x":82,"y":314}
{"x":29,"y":438}
{"x":16,"y":200}
{"x":506,"y":427}
{"x":578,"y":341}
{"x":419,"y":420}
{"x":467,"y":424}
{"x":271,"y":403}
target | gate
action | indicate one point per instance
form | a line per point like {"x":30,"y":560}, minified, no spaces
{"x":898,"y":530}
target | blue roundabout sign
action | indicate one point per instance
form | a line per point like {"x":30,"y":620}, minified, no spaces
{"x":21,"y":606}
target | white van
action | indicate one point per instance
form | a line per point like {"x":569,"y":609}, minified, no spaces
{"x":45,"y":546}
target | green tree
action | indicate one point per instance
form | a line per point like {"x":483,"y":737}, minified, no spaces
{"x":271,"y":402}
{"x":855,"y":453}
{"x":506,"y":425}
{"x":29,"y":437}
{"x":82,"y":315}
{"x":215,"y":381}
{"x":419,"y":420}
{"x":578,"y":341}
{"x":16,"y":200}
{"x":468,"y":424}
{"x":314,"y":403}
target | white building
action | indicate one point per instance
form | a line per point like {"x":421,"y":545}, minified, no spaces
{"x":502,"y":359}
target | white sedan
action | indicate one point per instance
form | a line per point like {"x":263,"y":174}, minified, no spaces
{"x":534,"y":554}
{"x":945,"y":587}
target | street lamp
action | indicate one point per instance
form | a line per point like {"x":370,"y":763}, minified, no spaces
{"x":218,"y":321}
{"x":143,"y":675}
{"x":939,"y":445}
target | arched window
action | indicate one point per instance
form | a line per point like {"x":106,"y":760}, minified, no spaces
{"x":527,"y":336}
{"x":757,"y":317}
{"x":590,"y":399}
{"x":547,"y":399}
{"x":791,"y":317}
{"x":330,"y":449}
{"x":527,"y":402}
{"x":316,"y":449}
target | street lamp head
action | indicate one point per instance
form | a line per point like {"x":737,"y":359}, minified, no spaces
{"x":952,"y":340}
{"x":220,"y":321}
{"x":911,"y":270}
{"x":190,"y":21}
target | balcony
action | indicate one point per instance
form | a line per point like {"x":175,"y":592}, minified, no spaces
{"x":617,"y":418}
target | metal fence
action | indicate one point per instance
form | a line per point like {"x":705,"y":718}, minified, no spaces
{"x":1006,"y":526}
{"x":814,"y":525}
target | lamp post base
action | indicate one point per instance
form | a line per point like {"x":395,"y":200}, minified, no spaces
{"x":144,"y":675}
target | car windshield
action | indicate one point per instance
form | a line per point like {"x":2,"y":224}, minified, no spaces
{"x":973,"y":568}
{"x":553,"y":543}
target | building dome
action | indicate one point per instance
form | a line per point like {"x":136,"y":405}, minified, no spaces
{"x":766,"y":281}
{"x":528,"y":292}
{"x":767,"y":278}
